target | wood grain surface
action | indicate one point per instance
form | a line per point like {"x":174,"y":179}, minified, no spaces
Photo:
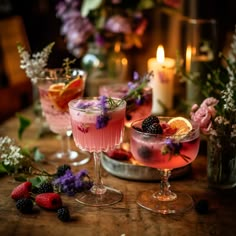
{"x":124,"y":218}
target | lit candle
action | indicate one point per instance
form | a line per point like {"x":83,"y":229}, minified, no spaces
{"x":162,"y":81}
{"x":188,"y":59}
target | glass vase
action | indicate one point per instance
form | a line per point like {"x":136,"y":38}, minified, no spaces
{"x":104,"y":67}
{"x":221,"y":162}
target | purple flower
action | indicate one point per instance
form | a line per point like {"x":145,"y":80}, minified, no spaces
{"x":118,"y":24}
{"x":102,"y":121}
{"x":71,"y":184}
{"x":204,"y":114}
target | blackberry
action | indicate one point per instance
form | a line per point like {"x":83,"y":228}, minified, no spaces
{"x":202,"y":206}
{"x":45,"y":187}
{"x":149,"y":121}
{"x":63,"y":214}
{"x":144,"y":152}
{"x":61,"y":170}
{"x":154,"y":128}
{"x":24,"y":205}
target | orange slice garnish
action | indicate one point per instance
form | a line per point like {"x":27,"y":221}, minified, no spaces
{"x":54,"y":90}
{"x":76,"y":83}
{"x":182,"y":125}
{"x":60,"y":94}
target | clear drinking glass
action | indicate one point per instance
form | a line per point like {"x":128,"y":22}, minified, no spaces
{"x":98,"y":126}
{"x":56,"y":90}
{"x":164,"y":152}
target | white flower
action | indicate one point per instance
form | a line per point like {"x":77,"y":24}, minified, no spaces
{"x":10,"y":154}
{"x":34,"y":65}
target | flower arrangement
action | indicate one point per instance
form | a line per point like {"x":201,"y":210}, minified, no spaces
{"x":217,"y":118}
{"x":105,"y":22}
{"x":217,"y":113}
{"x":102,"y":20}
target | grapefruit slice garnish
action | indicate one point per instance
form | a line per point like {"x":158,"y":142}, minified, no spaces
{"x":182,"y":125}
{"x":74,"y":84}
{"x":55,"y":89}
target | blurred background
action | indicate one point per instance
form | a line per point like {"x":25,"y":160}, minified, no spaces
{"x":35,"y":24}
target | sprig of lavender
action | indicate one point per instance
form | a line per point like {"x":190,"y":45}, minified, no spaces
{"x":71,"y":183}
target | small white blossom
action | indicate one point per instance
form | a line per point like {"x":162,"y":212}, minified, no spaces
{"x":34,"y":65}
{"x":10,"y":153}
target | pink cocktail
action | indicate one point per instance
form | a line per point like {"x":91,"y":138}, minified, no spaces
{"x":98,"y":126}
{"x":135,"y":109}
{"x":56,"y":90}
{"x":164,"y":151}
{"x":84,"y":125}
{"x":164,"y":148}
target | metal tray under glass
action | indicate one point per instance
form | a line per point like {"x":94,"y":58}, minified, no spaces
{"x":127,"y":170}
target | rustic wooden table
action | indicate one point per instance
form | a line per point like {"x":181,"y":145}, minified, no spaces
{"x":124,"y":218}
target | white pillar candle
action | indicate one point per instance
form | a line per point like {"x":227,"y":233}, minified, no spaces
{"x":162,"y":81}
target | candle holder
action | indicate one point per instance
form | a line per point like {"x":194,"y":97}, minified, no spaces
{"x":200,"y":36}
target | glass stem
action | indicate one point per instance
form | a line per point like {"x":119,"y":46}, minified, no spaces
{"x":65,"y":143}
{"x":165,"y":194}
{"x":98,"y":187}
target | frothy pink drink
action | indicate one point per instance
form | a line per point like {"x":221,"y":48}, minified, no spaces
{"x":97,"y":125}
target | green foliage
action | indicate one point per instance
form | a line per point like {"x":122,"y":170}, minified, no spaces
{"x":24,"y":123}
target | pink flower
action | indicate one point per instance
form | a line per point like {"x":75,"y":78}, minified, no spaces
{"x":204,"y":114}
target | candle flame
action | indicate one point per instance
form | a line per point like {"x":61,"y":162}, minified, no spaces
{"x":160,"y":55}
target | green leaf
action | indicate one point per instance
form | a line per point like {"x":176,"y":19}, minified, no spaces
{"x":146,"y":4}
{"x":24,"y":123}
{"x":38,"y":156}
{"x":89,"y":5}
{"x":3,"y":170}
{"x":20,"y":178}
{"x":36,"y":181}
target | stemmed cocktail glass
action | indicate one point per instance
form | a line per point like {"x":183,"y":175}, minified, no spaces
{"x":56,"y":89}
{"x":164,"y":143}
{"x":98,"y":126}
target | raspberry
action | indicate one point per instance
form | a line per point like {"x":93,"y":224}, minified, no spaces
{"x":24,"y":205}
{"x":144,"y":152}
{"x":154,"y":128}
{"x":61,"y":170}
{"x":45,"y":187}
{"x":149,"y":121}
{"x":63,"y":214}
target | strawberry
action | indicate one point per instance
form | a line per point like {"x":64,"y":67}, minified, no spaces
{"x":50,"y":201}
{"x":22,"y":191}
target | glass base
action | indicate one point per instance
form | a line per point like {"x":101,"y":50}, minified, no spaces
{"x":111,"y":196}
{"x":181,"y":204}
{"x":72,"y":157}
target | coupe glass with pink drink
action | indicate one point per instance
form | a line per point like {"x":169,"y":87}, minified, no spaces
{"x":137,"y":94}
{"x":98,"y":126}
{"x":165,"y":143}
{"x":56,"y":90}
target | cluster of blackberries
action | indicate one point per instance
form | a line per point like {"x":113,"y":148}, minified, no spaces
{"x":152,"y":125}
{"x":24,"y":205}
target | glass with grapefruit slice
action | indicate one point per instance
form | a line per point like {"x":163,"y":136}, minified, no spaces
{"x":164,"y":143}
{"x":56,"y":90}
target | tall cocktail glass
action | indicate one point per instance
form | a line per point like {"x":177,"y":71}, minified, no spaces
{"x":98,"y":126}
{"x":164,"y":151}
{"x":56,"y":90}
